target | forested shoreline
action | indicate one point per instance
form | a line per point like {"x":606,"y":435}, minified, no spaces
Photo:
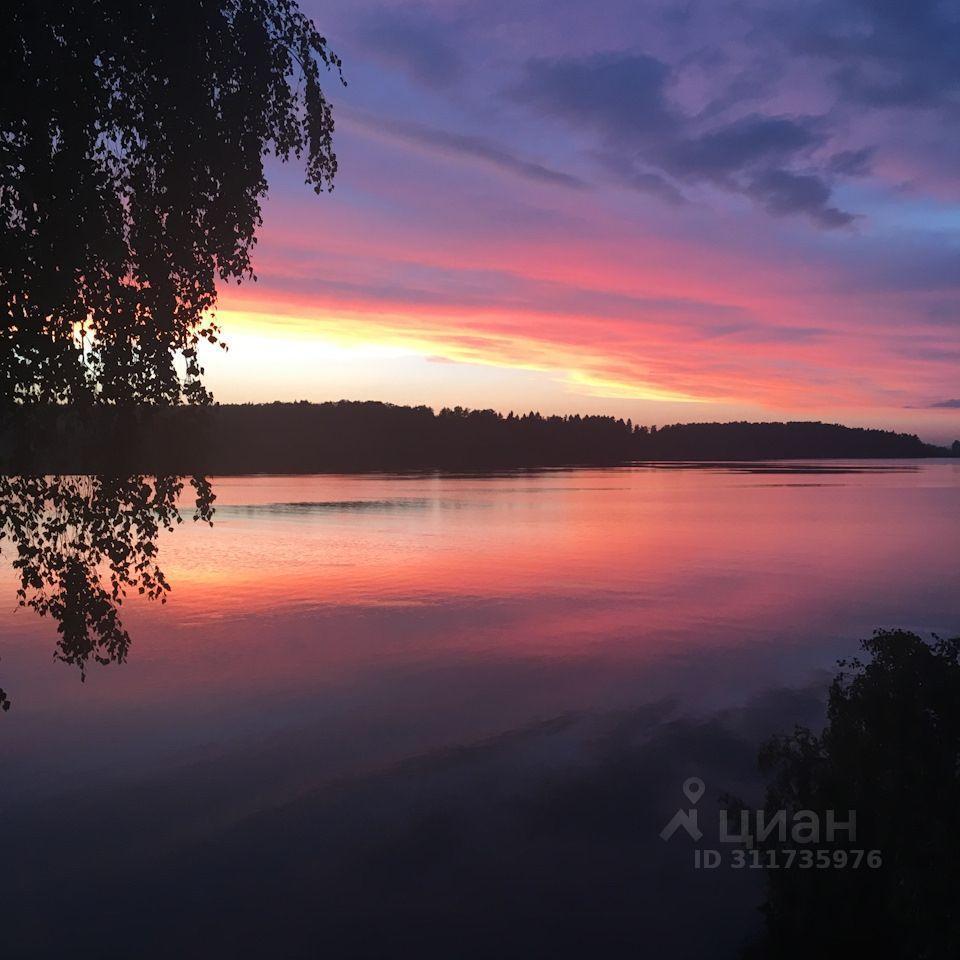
{"x":348,"y":436}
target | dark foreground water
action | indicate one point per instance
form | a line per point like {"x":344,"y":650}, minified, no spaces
{"x":448,"y":717}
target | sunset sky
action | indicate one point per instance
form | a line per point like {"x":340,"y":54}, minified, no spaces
{"x":666,"y":210}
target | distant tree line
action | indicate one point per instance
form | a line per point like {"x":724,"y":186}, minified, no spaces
{"x":362,"y":436}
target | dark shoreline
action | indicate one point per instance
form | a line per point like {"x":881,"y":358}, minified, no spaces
{"x":354,"y":437}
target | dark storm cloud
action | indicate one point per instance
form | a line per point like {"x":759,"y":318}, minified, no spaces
{"x":646,"y":140}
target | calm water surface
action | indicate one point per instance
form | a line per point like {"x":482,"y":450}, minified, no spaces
{"x":448,"y":716}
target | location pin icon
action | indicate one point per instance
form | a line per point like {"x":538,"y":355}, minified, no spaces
{"x":693,"y":789}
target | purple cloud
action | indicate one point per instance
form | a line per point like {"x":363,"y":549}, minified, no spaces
{"x":414,"y":40}
{"x":472,"y":147}
{"x":624,"y":98}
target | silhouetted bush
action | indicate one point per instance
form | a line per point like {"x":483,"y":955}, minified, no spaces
{"x":891,"y":752}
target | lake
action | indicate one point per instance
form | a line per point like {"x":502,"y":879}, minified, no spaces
{"x":449,"y":715}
